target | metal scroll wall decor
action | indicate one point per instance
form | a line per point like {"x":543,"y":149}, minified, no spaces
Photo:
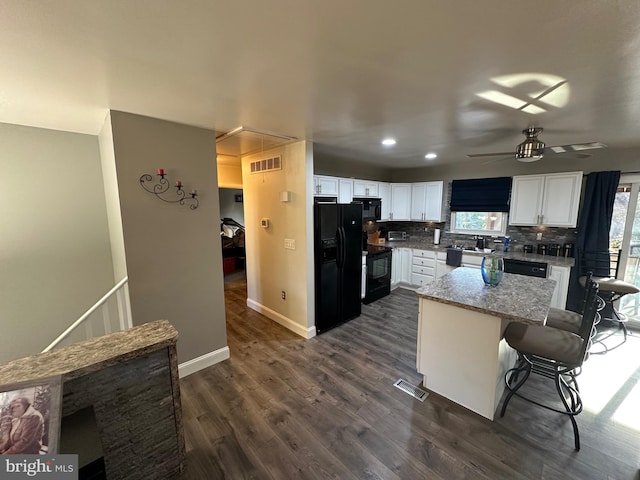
{"x":162,"y":190}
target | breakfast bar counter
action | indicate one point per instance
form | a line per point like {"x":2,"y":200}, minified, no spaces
{"x":461,"y":321}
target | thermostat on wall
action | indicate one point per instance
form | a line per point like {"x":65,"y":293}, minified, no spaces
{"x":264,"y":223}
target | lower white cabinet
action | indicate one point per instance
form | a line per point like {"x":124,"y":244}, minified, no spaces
{"x":441,"y":264}
{"x":423,"y":267}
{"x":561,"y":276}
{"x":400,"y":267}
{"x":473,"y":261}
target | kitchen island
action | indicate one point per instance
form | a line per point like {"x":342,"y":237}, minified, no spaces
{"x":461,"y":350}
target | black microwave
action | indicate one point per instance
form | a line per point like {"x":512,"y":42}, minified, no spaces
{"x":371,"y":208}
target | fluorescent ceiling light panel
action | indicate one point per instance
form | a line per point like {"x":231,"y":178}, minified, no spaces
{"x":388,"y":142}
{"x":430,"y":156}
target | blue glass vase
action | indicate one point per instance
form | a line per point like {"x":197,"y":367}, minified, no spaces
{"x":492,"y":269}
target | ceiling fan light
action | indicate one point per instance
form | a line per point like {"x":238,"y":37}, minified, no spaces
{"x":530,"y":150}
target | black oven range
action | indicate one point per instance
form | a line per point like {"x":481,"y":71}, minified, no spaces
{"x":378,"y":273}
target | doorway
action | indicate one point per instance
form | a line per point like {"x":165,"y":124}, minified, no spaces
{"x":624,"y":240}
{"x":232,"y":232}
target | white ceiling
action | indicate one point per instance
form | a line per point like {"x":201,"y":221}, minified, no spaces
{"x":343,"y":74}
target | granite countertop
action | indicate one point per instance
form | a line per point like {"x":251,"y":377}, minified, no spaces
{"x":80,"y":358}
{"x":516,"y":255}
{"x":517,"y":298}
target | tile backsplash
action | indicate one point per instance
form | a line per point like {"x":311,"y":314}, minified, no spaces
{"x":519,"y":235}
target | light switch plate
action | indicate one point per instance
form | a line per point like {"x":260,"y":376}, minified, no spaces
{"x":289,"y":244}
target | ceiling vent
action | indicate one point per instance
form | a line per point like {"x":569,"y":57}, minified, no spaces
{"x":243,"y":141}
{"x":266,"y":165}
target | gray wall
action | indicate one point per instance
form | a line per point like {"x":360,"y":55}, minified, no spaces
{"x":605,"y":159}
{"x":328,"y":163}
{"x":173,"y":253}
{"x":55,"y":259}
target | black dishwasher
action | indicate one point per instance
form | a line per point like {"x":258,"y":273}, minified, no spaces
{"x":525,"y":267}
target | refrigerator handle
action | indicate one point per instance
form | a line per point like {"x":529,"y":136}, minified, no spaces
{"x":340,"y":249}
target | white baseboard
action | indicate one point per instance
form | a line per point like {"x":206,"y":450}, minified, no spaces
{"x":203,"y":361}
{"x":282,"y":320}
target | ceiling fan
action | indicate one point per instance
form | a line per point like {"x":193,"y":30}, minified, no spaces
{"x":533,"y":149}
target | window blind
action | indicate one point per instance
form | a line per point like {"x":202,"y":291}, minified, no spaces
{"x":481,"y":195}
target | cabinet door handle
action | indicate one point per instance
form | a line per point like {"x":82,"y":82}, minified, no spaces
{"x":541,"y":219}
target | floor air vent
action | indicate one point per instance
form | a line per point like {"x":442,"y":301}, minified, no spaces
{"x":415,"y":392}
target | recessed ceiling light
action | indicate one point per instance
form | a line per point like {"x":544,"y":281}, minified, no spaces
{"x":388,"y":142}
{"x":430,"y":156}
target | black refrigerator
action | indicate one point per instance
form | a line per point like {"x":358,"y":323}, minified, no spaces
{"x":338,"y":263}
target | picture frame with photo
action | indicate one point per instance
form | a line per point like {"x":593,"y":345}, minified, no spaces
{"x":30,"y":417}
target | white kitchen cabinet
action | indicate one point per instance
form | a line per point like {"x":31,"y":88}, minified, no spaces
{"x":384,"y":192}
{"x":473,"y":261}
{"x":423,"y":267}
{"x":325,"y":186}
{"x":365,"y":188}
{"x":396,"y":267}
{"x":400,"y":267}
{"x":426,"y":201}
{"x":345,"y":190}
{"x":441,"y":264}
{"x":405,"y":260}
{"x":400,"y":201}
{"x":561,"y":276}
{"x":550,"y":200}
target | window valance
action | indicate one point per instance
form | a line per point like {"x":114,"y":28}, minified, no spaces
{"x":481,"y":195}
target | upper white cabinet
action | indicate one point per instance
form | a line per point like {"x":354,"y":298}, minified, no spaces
{"x":400,"y":201}
{"x":426,"y":201}
{"x":365,"y":188}
{"x":345,"y":190}
{"x":325,"y":186}
{"x":384,"y":192}
{"x":551,"y":200}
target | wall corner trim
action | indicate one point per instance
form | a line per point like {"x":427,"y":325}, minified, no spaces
{"x":203,"y":361}
{"x":282,"y":320}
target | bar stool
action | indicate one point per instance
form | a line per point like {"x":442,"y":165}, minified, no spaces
{"x":611,"y":289}
{"x":552,"y":353}
{"x":570,"y":321}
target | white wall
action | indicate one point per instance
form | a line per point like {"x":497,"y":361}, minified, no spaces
{"x":112,"y":196}
{"x":173,"y":253}
{"x":270,"y":267}
{"x":55,"y":258}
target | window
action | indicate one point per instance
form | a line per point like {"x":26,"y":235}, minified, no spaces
{"x":479,"y":223}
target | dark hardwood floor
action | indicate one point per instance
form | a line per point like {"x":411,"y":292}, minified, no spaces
{"x":287,"y":408}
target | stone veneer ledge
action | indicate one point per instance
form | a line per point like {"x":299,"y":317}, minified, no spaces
{"x":81,"y":358}
{"x":464,"y":287}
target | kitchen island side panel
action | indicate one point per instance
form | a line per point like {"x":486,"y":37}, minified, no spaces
{"x":462,"y":355}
